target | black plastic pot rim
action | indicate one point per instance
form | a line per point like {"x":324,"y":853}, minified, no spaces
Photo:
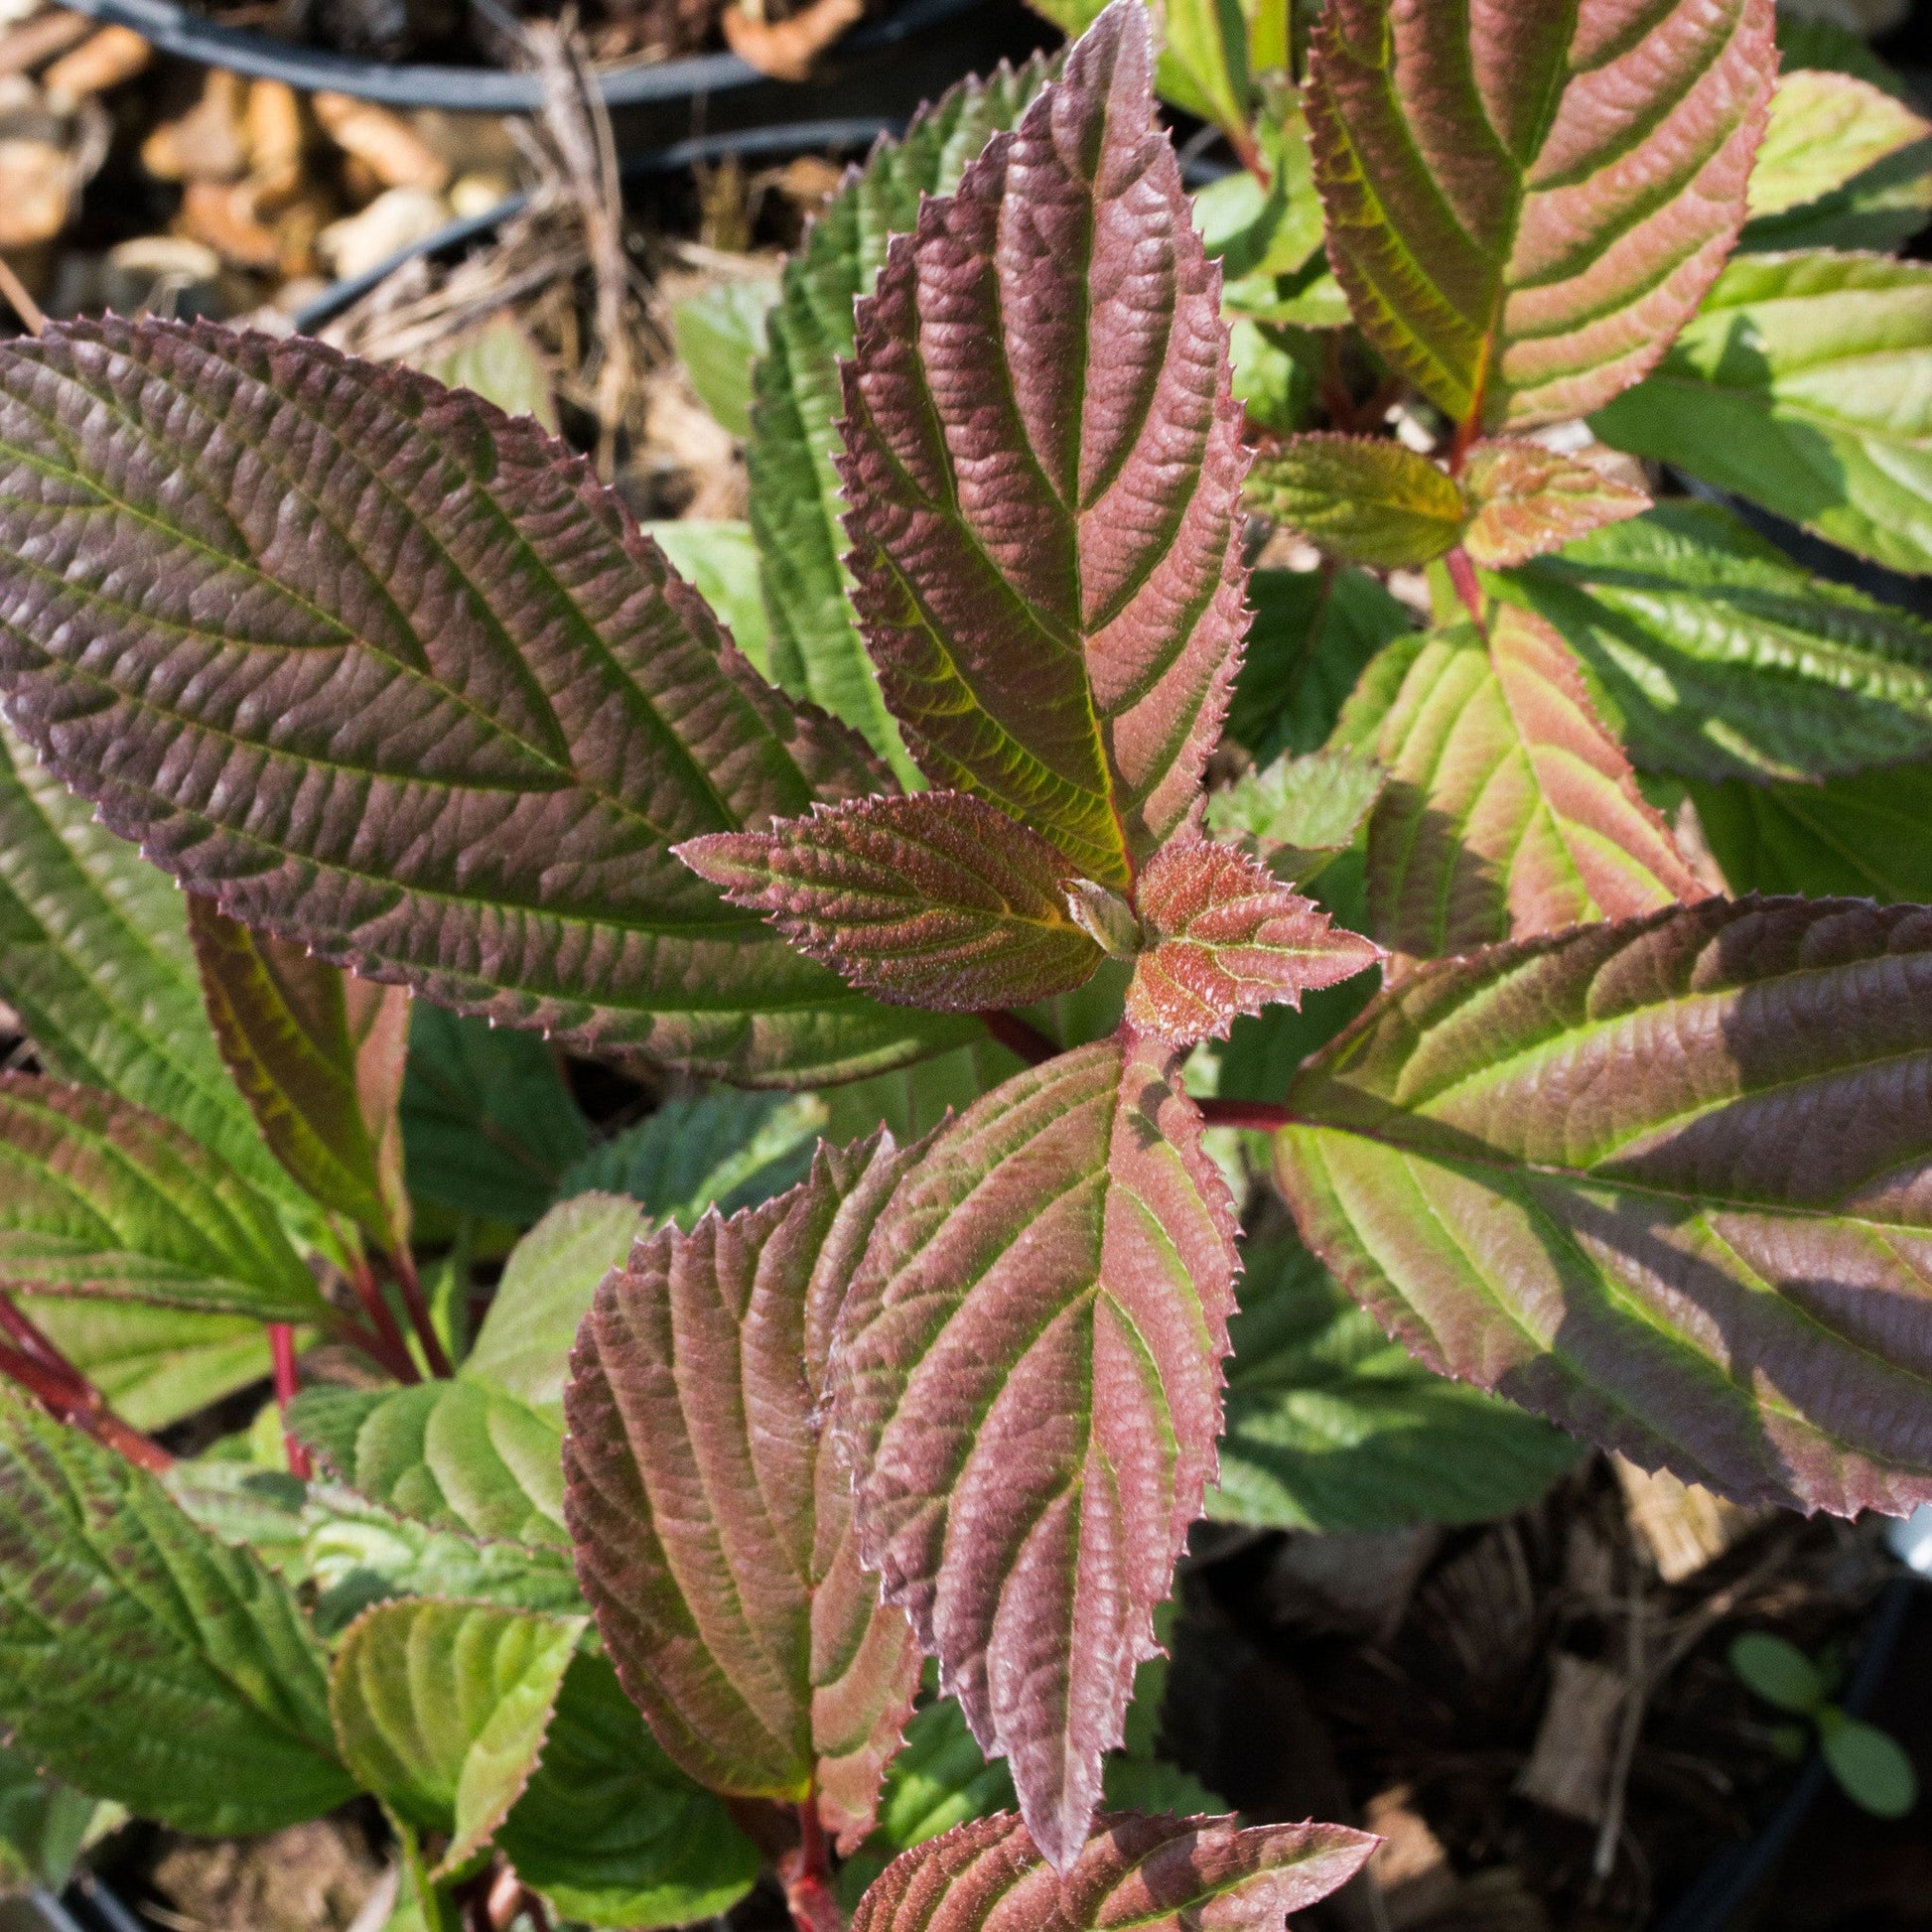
{"x":175,"y":28}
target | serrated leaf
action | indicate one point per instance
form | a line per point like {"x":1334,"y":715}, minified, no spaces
{"x":1365,"y":500}
{"x":742,"y":1625}
{"x":1297,"y":813}
{"x":1047,"y":567}
{"x":1823,"y":130}
{"x":1163,"y":1875}
{"x":441,"y":1708}
{"x":610,"y":1830}
{"x":1528,"y":501}
{"x":1510,"y":809}
{"x":456,"y":1455}
{"x":1334,"y":1426}
{"x":1801,"y":385}
{"x":154,"y":1365}
{"x":797,"y":400}
{"x":1224,"y":936}
{"x":937,"y":899}
{"x":1027,"y":1385}
{"x":101,"y":1198}
{"x":112,"y":1602}
{"x":1712,"y":655}
{"x":718,"y":334}
{"x":318,"y":1054}
{"x":1657,"y":1179}
{"x":453,"y":714}
{"x":1525,"y":205}
{"x":720,"y":561}
{"x":1865,"y":836}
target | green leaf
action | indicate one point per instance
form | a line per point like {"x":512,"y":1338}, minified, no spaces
{"x":154,"y":1365}
{"x":912,"y":1103}
{"x":1297,"y":813}
{"x":99,"y":1197}
{"x":1805,"y":384}
{"x":500,"y":363}
{"x":1526,"y":500}
{"x":1714,"y":655}
{"x":1826,"y":129}
{"x":1260,"y":232}
{"x":1209,"y":40}
{"x":318,"y":1054}
{"x":1270,"y":383}
{"x":1813,"y":43}
{"x":449,"y":709}
{"x":795,"y":442}
{"x":1659,"y":1181}
{"x":1867,"y":836}
{"x":1777,"y":1671}
{"x":721,"y":562}
{"x":1366,"y":500}
{"x":1525,"y":205}
{"x":610,"y":1830}
{"x":488,"y":1126}
{"x":718,"y":334}
{"x":1330,"y":1426}
{"x":43,"y":1825}
{"x":440,"y":1709}
{"x":1869,"y":1764}
{"x":112,"y":1602}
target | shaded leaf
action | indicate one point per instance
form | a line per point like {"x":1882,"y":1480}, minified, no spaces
{"x":318,"y":1054}
{"x":720,"y":561}
{"x":935,"y":899}
{"x":1165,"y":1875}
{"x":794,"y":441}
{"x":1225,"y":936}
{"x":1334,"y":1426}
{"x":1297,"y":813}
{"x":1777,"y":1671}
{"x":1525,"y":205}
{"x":1661,"y":1181}
{"x":1810,"y":42}
{"x":154,"y":1365}
{"x":1260,"y":231}
{"x":113,"y":1600}
{"x":912,"y":1102}
{"x":1865,"y":836}
{"x":1509,"y":809}
{"x":1047,"y":567}
{"x":1365,"y":500}
{"x":500,"y":363}
{"x":742,"y":1625}
{"x":1028,"y":1387}
{"x":1712,"y":655}
{"x":1823,"y":130}
{"x":1870,"y":1767}
{"x":719,"y":332}
{"x":1801,"y":385}
{"x":1528,"y":500}
{"x":456,"y":710}
{"x":42,"y":1825}
{"x":441,"y":1708}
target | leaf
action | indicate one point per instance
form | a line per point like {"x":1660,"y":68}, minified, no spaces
{"x":797,"y":400}
{"x":1163,"y":1875}
{"x":712,"y":1536}
{"x":1655,"y":1179}
{"x":1334,"y":1426}
{"x":101,"y":1198}
{"x":1859,"y":837}
{"x":912,"y":1103}
{"x":456,"y":710}
{"x":720,"y":561}
{"x":1048,"y":569}
{"x":454,"y":1454}
{"x":1776,"y":1670}
{"x":440,"y":1709}
{"x":1509,"y":809}
{"x":1209,"y":40}
{"x":42,"y":1825}
{"x":1823,"y":130}
{"x":1799,"y":386}
{"x":1297,"y":813}
{"x":717,"y":333}
{"x":318,"y":1054}
{"x":1225,"y":936}
{"x":154,"y":1365}
{"x":1711,"y":653}
{"x":1366,"y":500}
{"x":488,"y":1126}
{"x":1528,"y":500}
{"x":937,"y":900}
{"x":1027,"y":1385}
{"x":113,"y":1600}
{"x":500,"y":363}
{"x":1870,"y":1767}
{"x":610,"y":1830}
{"x":1526,"y":204}
{"x":1815,"y":43}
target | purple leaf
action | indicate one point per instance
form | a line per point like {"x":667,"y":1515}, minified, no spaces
{"x":713,"y":1538}
{"x":938,"y":900}
{"x":1044,"y":471}
{"x":1028,"y":1386}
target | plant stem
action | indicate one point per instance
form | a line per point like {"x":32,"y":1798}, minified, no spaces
{"x":394,"y":1352}
{"x":44,"y":1373}
{"x":807,"y":1875}
{"x":1263,"y":1115}
{"x":1019,"y":1037}
{"x":1463,"y":574}
{"x":402,"y":1264}
{"x":281,"y":1346}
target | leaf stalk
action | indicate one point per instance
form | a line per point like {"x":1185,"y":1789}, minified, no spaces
{"x":807,"y":1876}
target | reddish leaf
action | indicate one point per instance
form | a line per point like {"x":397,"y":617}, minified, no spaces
{"x":1153,"y":1874}
{"x":1525,"y":203}
{"x":1224,"y":936}
{"x":712,"y":1539}
{"x":1044,"y":473}
{"x":938,"y":900}
{"x":319,"y":1056}
{"x":1529,"y":500}
{"x":1028,"y":1387}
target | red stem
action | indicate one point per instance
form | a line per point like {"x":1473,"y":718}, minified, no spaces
{"x":1246,"y":151}
{"x":807,"y":1875}
{"x":1263,"y":1115}
{"x":281,"y":1346}
{"x":395,"y":1356}
{"x":1019,"y":1037}
{"x":1463,"y":574}
{"x":44,"y":1373}
{"x":402,"y":1265}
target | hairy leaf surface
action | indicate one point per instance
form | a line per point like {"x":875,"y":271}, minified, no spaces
{"x":1526,"y":202}
{"x":713,"y":1538}
{"x":1367,"y":500}
{"x":1297,"y":813}
{"x":1528,"y":500}
{"x":1509,"y":809}
{"x":1028,"y":1386}
{"x":112,"y":1601}
{"x":937,"y":899}
{"x":1043,"y":464}
{"x":1664,"y":1181}
{"x":389,"y":675}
